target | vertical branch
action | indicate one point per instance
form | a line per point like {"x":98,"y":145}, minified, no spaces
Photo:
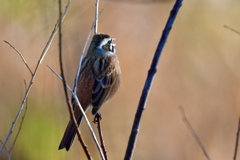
{"x":96,"y":17}
{"x":65,"y":85}
{"x":81,"y":57}
{"x":237,"y":139}
{"x":97,"y":120}
{"x":148,"y":82}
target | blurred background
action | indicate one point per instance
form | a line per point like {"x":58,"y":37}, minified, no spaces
{"x":199,"y":70}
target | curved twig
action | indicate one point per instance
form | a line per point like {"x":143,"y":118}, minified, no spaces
{"x":19,"y":53}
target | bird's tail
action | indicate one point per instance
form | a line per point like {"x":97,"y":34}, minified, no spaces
{"x":69,"y":135}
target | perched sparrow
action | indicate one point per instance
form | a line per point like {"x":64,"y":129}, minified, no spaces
{"x":98,"y":81}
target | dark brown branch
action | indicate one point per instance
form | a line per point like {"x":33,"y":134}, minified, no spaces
{"x":192,"y":131}
{"x":65,"y":86}
{"x":237,"y":139}
{"x":151,"y":73}
{"x":97,"y":119}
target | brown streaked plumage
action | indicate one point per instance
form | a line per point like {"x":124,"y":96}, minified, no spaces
{"x":98,"y":81}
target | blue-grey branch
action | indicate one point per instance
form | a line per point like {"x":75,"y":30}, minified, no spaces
{"x":148,"y":82}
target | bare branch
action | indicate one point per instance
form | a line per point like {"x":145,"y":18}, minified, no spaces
{"x":84,"y":115}
{"x":97,"y":119}
{"x":96,"y":17}
{"x":69,"y":88}
{"x":151,"y":73}
{"x":194,"y":134}
{"x":4,"y":146}
{"x":76,"y":82}
{"x":33,"y":77}
{"x":81,"y":57}
{"x":22,"y":120}
{"x":19,"y":53}
{"x":71,"y":112}
{"x":237,"y":139}
{"x":231,"y":29}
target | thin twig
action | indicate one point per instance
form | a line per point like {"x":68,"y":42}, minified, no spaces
{"x":69,"y":88}
{"x":231,"y":29}
{"x":81,"y":57}
{"x":237,"y":139}
{"x":98,"y":120}
{"x":71,"y":112}
{"x":96,"y":17}
{"x":19,"y":53}
{"x":89,"y":125}
{"x":22,"y":120}
{"x":194,"y":134}
{"x":19,"y":129}
{"x":5,"y":147}
{"x":151,"y":73}
{"x":84,"y":115}
{"x":8,"y":153}
{"x":33,"y":77}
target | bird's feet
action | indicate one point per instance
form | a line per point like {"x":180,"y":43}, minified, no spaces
{"x":97,"y":117}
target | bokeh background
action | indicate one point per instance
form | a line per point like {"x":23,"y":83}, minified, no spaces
{"x":199,"y":70}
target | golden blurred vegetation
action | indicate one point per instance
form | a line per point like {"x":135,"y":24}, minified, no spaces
{"x":199,"y":69}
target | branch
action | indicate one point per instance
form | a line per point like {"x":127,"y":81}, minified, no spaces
{"x":81,"y":57}
{"x":84,"y":115}
{"x":97,"y":120}
{"x":231,"y":29}
{"x":65,"y":87}
{"x":96,"y":17}
{"x":76,"y":82}
{"x":148,"y":82}
{"x":19,"y":129}
{"x":194,"y":134}
{"x":22,"y":120}
{"x":4,"y":146}
{"x":44,"y":52}
{"x":237,"y":139}
{"x":19,"y":53}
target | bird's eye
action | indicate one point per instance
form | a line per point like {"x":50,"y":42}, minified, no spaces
{"x":110,"y":41}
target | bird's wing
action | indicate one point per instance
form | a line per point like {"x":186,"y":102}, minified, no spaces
{"x":105,"y":76}
{"x":76,"y":82}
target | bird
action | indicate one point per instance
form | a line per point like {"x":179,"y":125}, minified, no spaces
{"x":98,"y":81}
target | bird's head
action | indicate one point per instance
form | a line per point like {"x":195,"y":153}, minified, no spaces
{"x":102,"y":43}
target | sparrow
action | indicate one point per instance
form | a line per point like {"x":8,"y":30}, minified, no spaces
{"x":98,"y":81}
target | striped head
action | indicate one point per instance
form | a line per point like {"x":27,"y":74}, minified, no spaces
{"x":103,"y":44}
